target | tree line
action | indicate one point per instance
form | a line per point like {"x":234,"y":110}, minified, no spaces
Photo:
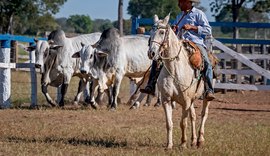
{"x":33,"y":17}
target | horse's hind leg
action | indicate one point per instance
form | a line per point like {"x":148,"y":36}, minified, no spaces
{"x":204,"y":116}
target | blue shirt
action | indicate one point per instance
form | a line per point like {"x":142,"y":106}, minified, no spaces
{"x":197,"y":18}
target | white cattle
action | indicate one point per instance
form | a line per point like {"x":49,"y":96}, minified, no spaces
{"x":57,"y":64}
{"x":115,"y":57}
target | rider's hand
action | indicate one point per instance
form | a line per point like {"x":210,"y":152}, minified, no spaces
{"x":190,"y":27}
{"x":174,"y":28}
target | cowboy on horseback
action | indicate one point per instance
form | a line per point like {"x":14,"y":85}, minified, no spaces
{"x":191,"y":24}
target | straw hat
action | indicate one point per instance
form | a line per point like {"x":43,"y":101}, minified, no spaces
{"x":195,"y":1}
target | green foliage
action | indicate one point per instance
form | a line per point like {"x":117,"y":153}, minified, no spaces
{"x":245,"y":7}
{"x":146,"y":8}
{"x":80,"y":23}
{"x":24,"y":13}
{"x":99,"y":25}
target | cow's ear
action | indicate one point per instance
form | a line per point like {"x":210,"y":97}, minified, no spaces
{"x":55,"y":47}
{"x":30,"y":48}
{"x":101,"y":54}
{"x":94,"y":45}
{"x":50,"y":42}
{"x":82,"y":44}
{"x":76,"y":55}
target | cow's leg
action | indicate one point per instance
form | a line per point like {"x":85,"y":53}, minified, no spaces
{"x":86,"y":91}
{"x":110,"y":98}
{"x":63,"y":92}
{"x":204,"y":116}
{"x":47,"y":96}
{"x":158,"y":100}
{"x":115,"y":91}
{"x":93,"y":89}
{"x":82,"y":86}
{"x":183,"y":125}
{"x":193,"y":125}
{"x":169,"y":123}
{"x":148,"y":100}
{"x":99,"y":97}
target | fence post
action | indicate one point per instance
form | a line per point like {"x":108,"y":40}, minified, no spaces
{"x":33,"y":74}
{"x":134,"y":25}
{"x":5,"y":74}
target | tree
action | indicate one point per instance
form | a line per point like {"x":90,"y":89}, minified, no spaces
{"x":120,"y":17}
{"x":25,"y":10}
{"x":99,"y":25}
{"x":81,"y":23}
{"x":235,"y":5}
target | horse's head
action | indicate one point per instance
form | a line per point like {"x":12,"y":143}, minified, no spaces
{"x":158,"y":37}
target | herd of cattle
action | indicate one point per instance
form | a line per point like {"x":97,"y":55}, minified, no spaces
{"x":98,"y":59}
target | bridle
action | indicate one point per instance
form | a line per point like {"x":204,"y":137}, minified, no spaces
{"x":164,"y":45}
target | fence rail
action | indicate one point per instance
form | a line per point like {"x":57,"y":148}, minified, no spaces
{"x":228,"y":55}
{"x":5,"y":69}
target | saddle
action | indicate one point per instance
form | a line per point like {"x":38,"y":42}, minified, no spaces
{"x":196,"y":58}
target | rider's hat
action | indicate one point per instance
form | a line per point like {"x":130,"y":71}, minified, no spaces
{"x":195,"y":1}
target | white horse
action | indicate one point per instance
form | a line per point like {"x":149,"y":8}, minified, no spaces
{"x":177,"y":81}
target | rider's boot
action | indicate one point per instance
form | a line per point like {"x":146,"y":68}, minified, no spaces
{"x":151,"y":84}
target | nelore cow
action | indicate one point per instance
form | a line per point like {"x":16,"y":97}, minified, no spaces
{"x":57,"y":65}
{"x":114,"y":57}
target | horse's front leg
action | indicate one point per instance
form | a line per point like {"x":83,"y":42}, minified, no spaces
{"x":183,"y":125}
{"x":169,"y":123}
{"x":44,"y":89}
{"x":193,"y":125}
{"x":204,"y":116}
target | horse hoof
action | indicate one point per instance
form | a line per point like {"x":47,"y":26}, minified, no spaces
{"x":200,"y":144}
{"x":193,"y":145}
{"x":168,"y":148}
{"x":157,"y":105}
{"x":146,"y":104}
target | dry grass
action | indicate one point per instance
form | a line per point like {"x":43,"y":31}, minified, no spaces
{"x":232,"y":128}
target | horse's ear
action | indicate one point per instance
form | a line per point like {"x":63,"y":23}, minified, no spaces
{"x":167,"y":18}
{"x":156,"y":19}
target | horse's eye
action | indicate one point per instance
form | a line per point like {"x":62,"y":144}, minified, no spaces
{"x":161,"y":32}
{"x":91,"y":56}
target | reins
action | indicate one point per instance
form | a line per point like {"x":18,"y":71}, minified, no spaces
{"x":163,"y":44}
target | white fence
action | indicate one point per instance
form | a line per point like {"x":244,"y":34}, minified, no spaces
{"x":6,"y":66}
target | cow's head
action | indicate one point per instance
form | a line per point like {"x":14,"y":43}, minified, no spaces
{"x":41,"y":52}
{"x":89,"y":56}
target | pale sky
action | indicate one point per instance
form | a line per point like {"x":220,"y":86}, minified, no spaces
{"x":104,"y":9}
